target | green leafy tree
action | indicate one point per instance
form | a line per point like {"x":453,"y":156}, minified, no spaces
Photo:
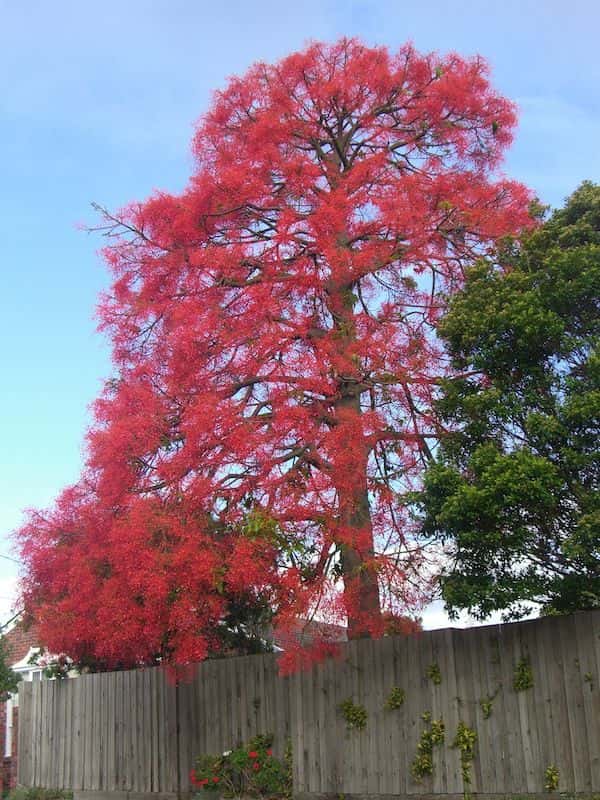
{"x":9,"y":679}
{"x":513,"y":491}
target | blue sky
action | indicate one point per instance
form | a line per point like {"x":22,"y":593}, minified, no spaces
{"x":98,"y":103}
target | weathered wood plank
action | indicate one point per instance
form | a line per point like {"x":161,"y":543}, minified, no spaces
{"x":542,"y":704}
{"x":526,"y":718}
{"x":586,"y":667}
{"x":384,"y":720}
{"x":510,"y":655}
{"x":414,"y":708}
{"x":573,"y":681}
{"x":588,"y":648}
{"x":401,"y":753}
{"x":25,"y":729}
{"x":560,"y":709}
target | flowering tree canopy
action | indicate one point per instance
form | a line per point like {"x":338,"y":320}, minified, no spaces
{"x":274,"y":343}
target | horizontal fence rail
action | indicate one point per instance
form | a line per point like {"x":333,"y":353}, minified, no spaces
{"x":529,"y":691}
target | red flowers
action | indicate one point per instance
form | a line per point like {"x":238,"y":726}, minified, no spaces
{"x":199,"y":781}
{"x":253,"y":754}
{"x":256,"y":765}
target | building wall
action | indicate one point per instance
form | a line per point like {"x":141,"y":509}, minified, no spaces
{"x":18,"y":642}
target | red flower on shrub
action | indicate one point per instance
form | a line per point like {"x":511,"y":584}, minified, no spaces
{"x":269,"y":752}
{"x":256,"y":765}
{"x":215,"y":779}
{"x":253,"y":754}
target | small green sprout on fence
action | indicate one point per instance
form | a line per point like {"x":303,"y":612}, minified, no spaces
{"x":395,"y":698}
{"x":486,"y":704}
{"x":551,"y":778}
{"x":354,"y":714}
{"x":432,"y":735}
{"x":434,"y":673}
{"x":523,"y":676}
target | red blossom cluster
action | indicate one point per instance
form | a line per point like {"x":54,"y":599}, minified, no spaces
{"x":273,"y":331}
{"x":197,"y":781}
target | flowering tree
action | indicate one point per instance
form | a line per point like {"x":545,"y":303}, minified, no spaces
{"x":276,"y":358}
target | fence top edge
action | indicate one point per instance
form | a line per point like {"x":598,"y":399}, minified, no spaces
{"x":347,"y":647}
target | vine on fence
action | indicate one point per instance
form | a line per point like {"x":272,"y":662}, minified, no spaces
{"x":432,"y":736}
{"x":465,"y":741}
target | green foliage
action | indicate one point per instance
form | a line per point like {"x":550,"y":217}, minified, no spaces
{"x":354,"y":714}
{"x":249,"y":771}
{"x":288,"y":763}
{"x":522,"y":676}
{"x":486,"y":704}
{"x":55,"y":668}
{"x":513,"y":492}
{"x":395,"y":698}
{"x":9,"y":680}
{"x":465,"y":741}
{"x":432,"y":736}
{"x":551,"y":778}
{"x":434,"y":673}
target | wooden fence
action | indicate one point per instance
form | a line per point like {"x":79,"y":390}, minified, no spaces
{"x":137,"y":732}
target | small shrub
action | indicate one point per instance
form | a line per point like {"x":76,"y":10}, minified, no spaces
{"x":37,"y":793}
{"x":288,"y":765}
{"x":249,"y":771}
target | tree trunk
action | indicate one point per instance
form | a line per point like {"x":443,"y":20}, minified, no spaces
{"x":360,"y":579}
{"x":361,"y":587}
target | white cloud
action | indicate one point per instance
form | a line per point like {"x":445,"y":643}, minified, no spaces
{"x":434,"y":617}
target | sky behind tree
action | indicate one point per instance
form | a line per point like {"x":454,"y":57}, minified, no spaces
{"x":98,"y":104}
